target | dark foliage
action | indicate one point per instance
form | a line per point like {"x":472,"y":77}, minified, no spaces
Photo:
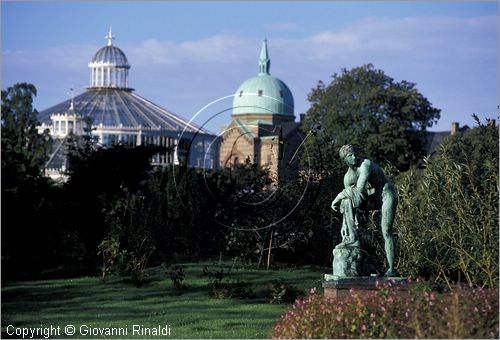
{"x":365,"y":107}
{"x":447,"y":218}
{"x":117,"y":214}
{"x":26,"y":194}
{"x":178,"y":276}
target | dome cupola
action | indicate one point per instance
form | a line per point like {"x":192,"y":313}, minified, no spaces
{"x":109,"y":67}
{"x":263,"y":94}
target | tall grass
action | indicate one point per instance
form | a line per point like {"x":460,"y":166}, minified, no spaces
{"x":447,"y":219}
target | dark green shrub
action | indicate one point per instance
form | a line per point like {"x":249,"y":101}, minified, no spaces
{"x":391,"y":313}
{"x":447,"y":218}
{"x":222,"y":286}
{"x":109,"y":250}
{"x":178,"y":276}
{"x":282,"y":292}
{"x":139,"y":260}
{"x":131,"y":226}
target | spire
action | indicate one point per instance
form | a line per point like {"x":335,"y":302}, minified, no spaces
{"x":110,"y":37}
{"x":264,"y":61}
{"x":72,"y":104}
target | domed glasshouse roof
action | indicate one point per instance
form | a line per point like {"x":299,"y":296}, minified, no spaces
{"x":115,"y":107}
{"x":110,"y":102}
{"x":110,"y":55}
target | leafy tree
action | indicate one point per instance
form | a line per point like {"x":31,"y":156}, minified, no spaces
{"x":81,"y":148}
{"x":24,"y":150}
{"x":25,"y":192}
{"x":365,"y":107}
{"x":99,"y":178}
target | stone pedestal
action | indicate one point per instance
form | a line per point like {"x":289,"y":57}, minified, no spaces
{"x":346,"y":259}
{"x":335,"y":286}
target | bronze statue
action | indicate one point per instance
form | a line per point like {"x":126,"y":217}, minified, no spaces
{"x":366,"y":187}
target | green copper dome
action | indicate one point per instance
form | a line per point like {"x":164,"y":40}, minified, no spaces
{"x":263,"y":94}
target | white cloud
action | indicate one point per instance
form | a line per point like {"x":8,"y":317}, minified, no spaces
{"x":216,"y":49}
{"x":65,"y":57}
{"x":441,"y":54}
{"x":410,"y":36}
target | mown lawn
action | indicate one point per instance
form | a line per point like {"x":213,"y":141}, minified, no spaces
{"x":189,"y":313}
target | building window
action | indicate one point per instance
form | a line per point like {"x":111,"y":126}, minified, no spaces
{"x":260,"y":92}
{"x":241,"y":93}
{"x":281,"y":93}
{"x":183,"y":150}
{"x":113,"y":139}
{"x":109,"y":139}
{"x":128,"y":139}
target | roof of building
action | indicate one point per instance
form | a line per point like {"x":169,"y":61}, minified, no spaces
{"x":263,"y":94}
{"x":110,"y":54}
{"x":121,"y":107}
{"x":57,"y":159}
{"x":434,"y":139}
{"x":115,"y":106}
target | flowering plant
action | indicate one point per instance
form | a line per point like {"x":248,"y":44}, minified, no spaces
{"x":388,"y":312}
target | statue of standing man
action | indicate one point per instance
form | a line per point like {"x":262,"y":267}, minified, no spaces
{"x":366,"y":188}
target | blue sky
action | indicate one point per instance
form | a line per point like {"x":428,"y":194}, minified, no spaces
{"x":185,"y":55}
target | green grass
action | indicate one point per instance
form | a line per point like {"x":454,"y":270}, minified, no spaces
{"x":190,"y":313}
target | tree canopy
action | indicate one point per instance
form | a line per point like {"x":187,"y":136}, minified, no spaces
{"x":25,"y":191}
{"x":24,"y":150}
{"x":365,"y":107}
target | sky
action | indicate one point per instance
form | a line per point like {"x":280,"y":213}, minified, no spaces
{"x":190,"y":57}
